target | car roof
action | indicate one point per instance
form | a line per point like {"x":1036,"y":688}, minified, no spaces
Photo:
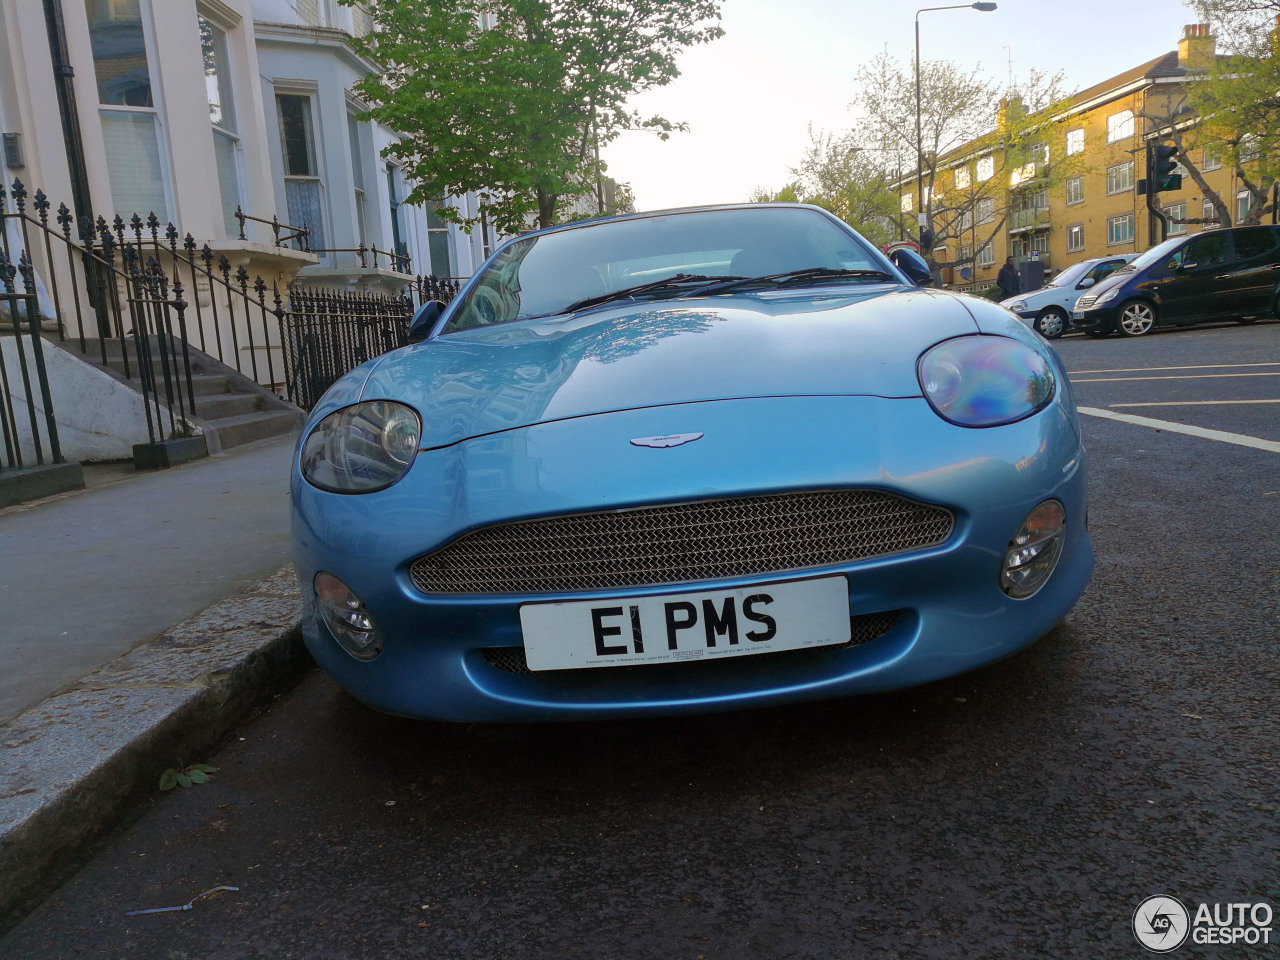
{"x":645,"y":214}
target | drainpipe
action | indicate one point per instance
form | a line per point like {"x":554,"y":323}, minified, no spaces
{"x":62,"y":78}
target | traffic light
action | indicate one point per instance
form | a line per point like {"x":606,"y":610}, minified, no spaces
{"x":1160,"y":169}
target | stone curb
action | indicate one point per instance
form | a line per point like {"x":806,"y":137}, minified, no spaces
{"x":71,"y":767}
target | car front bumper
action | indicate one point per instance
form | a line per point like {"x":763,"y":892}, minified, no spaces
{"x":950,"y":614}
{"x":1097,"y":319}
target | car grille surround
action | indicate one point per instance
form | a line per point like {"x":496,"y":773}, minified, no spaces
{"x":682,"y":543}
{"x":1084,"y":303}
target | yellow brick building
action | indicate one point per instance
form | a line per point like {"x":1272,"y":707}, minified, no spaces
{"x":1078,"y":198}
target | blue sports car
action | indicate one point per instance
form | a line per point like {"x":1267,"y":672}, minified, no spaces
{"x":688,"y":461}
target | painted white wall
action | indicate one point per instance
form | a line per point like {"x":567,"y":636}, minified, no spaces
{"x":98,"y":417}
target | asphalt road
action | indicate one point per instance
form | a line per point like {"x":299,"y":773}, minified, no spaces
{"x":1023,"y":810}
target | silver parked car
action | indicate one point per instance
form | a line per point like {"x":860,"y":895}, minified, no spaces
{"x":1048,"y":310}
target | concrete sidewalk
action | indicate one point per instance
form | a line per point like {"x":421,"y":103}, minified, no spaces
{"x":99,"y":690}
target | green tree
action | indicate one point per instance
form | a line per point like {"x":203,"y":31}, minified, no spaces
{"x":965,"y":118}
{"x":509,"y":98}
{"x":1235,"y":99}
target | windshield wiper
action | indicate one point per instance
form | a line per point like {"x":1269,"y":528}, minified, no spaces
{"x":677,"y":280}
{"x":794,"y":276}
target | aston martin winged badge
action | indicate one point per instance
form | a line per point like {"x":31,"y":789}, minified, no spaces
{"x":671,"y":440}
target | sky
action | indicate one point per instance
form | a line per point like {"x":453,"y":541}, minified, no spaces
{"x":749,"y":96}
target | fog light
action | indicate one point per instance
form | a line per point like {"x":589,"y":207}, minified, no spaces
{"x":1034,"y":550}
{"x":347,"y":618}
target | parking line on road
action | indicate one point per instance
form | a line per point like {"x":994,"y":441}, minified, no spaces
{"x":1195,"y":366}
{"x":1239,"y":439}
{"x":1184,"y":376}
{"x":1187,"y":403}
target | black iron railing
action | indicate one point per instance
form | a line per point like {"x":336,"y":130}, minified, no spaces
{"x":396,"y":261}
{"x":283,"y":233}
{"x":28,"y":358}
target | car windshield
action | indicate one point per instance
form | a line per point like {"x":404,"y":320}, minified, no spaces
{"x":1070,"y":276}
{"x":661,"y":257}
{"x":1156,"y":254}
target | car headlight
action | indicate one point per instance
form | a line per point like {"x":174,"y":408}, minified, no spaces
{"x":1018,"y":306}
{"x":985,"y":381}
{"x":361,"y":448}
{"x":1109,"y":295}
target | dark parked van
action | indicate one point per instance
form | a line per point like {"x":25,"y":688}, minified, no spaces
{"x":1214,"y":275}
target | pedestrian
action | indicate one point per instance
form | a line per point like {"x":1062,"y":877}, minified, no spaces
{"x":1007,"y":280}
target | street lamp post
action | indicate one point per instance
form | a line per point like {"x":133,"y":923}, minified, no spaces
{"x":921,"y":217}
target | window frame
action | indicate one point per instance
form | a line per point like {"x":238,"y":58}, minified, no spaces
{"x":1116,"y":131}
{"x":1075,"y":144}
{"x":230,"y":110}
{"x":315,"y":155}
{"x":1112,"y":239}
{"x":1076,"y":229}
{"x":1079,"y":184}
{"x":1176,"y":229}
{"x":1112,"y":189}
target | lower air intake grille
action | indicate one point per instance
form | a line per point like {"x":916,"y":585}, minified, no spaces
{"x":682,"y":543}
{"x":864,"y":629}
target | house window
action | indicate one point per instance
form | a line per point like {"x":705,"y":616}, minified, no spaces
{"x":302,"y":185}
{"x":1075,"y":190}
{"x":1177,"y":211}
{"x":222,"y":115}
{"x":961,"y":177}
{"x":965,"y":255}
{"x":393,"y":198}
{"x":986,"y":210}
{"x":1075,"y":142}
{"x":1209,"y":214}
{"x":357,"y":180}
{"x":966,"y":219}
{"x":1120,"y":177}
{"x":1212,"y":157}
{"x":987,"y":255}
{"x":907,"y":203}
{"x":1120,"y":126}
{"x":1075,"y":238}
{"x":1120,"y":229}
{"x":438,"y":241}
{"x":1244,"y":200}
{"x":130,"y":121}
{"x":986,"y":168}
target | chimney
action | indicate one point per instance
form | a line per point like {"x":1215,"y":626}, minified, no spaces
{"x":1197,"y":48}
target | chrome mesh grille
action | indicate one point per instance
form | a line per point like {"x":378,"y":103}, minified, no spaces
{"x":863,"y":629}
{"x":681,"y":543}
{"x":1084,"y":303}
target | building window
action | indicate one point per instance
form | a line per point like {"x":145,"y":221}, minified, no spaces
{"x":130,"y":121}
{"x":302,"y":186}
{"x":986,"y":168}
{"x":1075,"y":238}
{"x":966,"y":219}
{"x":222,"y":115}
{"x":987,"y":255}
{"x":1075,"y":142}
{"x":986,"y":210}
{"x":1075,"y":190}
{"x":1120,"y":229}
{"x":1212,"y":157}
{"x":1120,"y":177}
{"x":438,"y":241}
{"x":907,"y":202}
{"x":1244,"y":200}
{"x":1120,"y":126}
{"x":961,"y":178}
{"x":397,"y":237}
{"x":1209,"y":214}
{"x":357,"y":180}
{"x":1177,"y":211}
{"x":965,"y":255}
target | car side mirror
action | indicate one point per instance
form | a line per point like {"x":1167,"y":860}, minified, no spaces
{"x":914,"y":266}
{"x":424,"y":320}
{"x":1086,"y":283}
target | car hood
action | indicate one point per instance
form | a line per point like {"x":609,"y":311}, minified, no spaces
{"x":515,"y":375}
{"x":1110,"y":282}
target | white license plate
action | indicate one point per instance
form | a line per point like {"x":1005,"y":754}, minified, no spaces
{"x":1077,"y":315}
{"x":686,"y":626}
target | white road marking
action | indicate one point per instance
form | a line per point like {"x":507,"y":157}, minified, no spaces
{"x":1197,"y":366}
{"x":1185,"y":376}
{"x":1189,"y":403}
{"x":1271,"y":446}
